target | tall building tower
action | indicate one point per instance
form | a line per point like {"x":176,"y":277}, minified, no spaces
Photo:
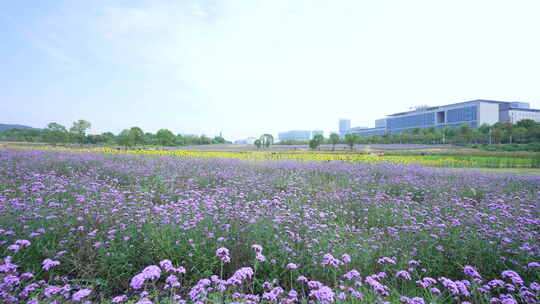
{"x":344,"y":126}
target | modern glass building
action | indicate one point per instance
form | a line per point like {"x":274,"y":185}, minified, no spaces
{"x":344,"y":126}
{"x":516,"y":111}
{"x":474,"y":113}
{"x":295,"y":135}
{"x":380,"y":123}
{"x":369,"y":131}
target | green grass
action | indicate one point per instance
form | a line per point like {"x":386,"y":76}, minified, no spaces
{"x":517,"y":171}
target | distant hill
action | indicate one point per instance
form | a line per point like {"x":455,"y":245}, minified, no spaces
{"x":4,"y":127}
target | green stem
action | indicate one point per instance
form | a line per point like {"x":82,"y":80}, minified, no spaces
{"x":221,"y":271}
{"x":291,"y":281}
{"x":254,"y":273}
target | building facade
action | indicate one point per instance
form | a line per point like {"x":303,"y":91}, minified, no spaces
{"x":294,"y":135}
{"x":516,"y":111}
{"x":344,"y":126}
{"x":515,"y":115}
{"x":380,"y":123}
{"x":474,"y":113}
{"x":369,"y":131}
{"x":365,"y":131}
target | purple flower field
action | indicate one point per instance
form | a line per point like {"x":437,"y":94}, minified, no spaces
{"x":115,"y":228}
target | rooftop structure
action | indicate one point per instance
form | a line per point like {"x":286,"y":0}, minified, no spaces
{"x":380,"y":123}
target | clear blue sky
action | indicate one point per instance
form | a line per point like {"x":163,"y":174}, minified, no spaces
{"x":248,"y":67}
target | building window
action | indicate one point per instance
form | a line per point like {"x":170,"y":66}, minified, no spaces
{"x":462,"y":114}
{"x":441,"y":117}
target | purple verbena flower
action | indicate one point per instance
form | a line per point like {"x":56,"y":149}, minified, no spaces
{"x":166,"y":265}
{"x":48,"y":264}
{"x":291,"y":266}
{"x":471,"y":271}
{"x":513,"y":276}
{"x":352,"y":274}
{"x":223,"y":254}
{"x":23,"y":243}
{"x":323,"y":295}
{"x":404,"y":275}
{"x":119,"y":299}
{"x":137,"y":281}
{"x":151,"y":272}
{"x":77,"y":297}
{"x":388,"y":260}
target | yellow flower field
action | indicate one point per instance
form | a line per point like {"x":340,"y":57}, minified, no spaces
{"x":267,"y":155}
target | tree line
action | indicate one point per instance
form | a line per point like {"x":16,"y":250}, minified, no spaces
{"x":56,"y":133}
{"x":523,"y":132}
{"x":264,"y":141}
{"x":526,"y":131}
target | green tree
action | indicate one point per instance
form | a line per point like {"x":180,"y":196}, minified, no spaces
{"x":431,"y":130}
{"x":316,"y":141}
{"x":520,"y":134}
{"x":78,"y":130}
{"x":218,"y":140}
{"x":137,"y":134}
{"x":95,"y":139}
{"x":165,"y":137}
{"x":485,"y":130}
{"x":29,"y":135}
{"x":437,"y":136}
{"x":150,"y":139}
{"x":319,"y":138}
{"x":496,"y":133}
{"x":80,"y":126}
{"x":267,"y":140}
{"x":465,"y":132}
{"x":334,"y":139}
{"x":526,"y":123}
{"x":507,"y":130}
{"x":533,"y":134}
{"x":476,"y":136}
{"x":109,"y":137}
{"x":351,"y":139}
{"x":204,"y":140}
{"x":404,"y":137}
{"x":190,"y":140}
{"x":447,"y":134}
{"x":180,"y":140}
{"x":125,"y":138}
{"x":258,"y":143}
{"x":55,"y":133}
